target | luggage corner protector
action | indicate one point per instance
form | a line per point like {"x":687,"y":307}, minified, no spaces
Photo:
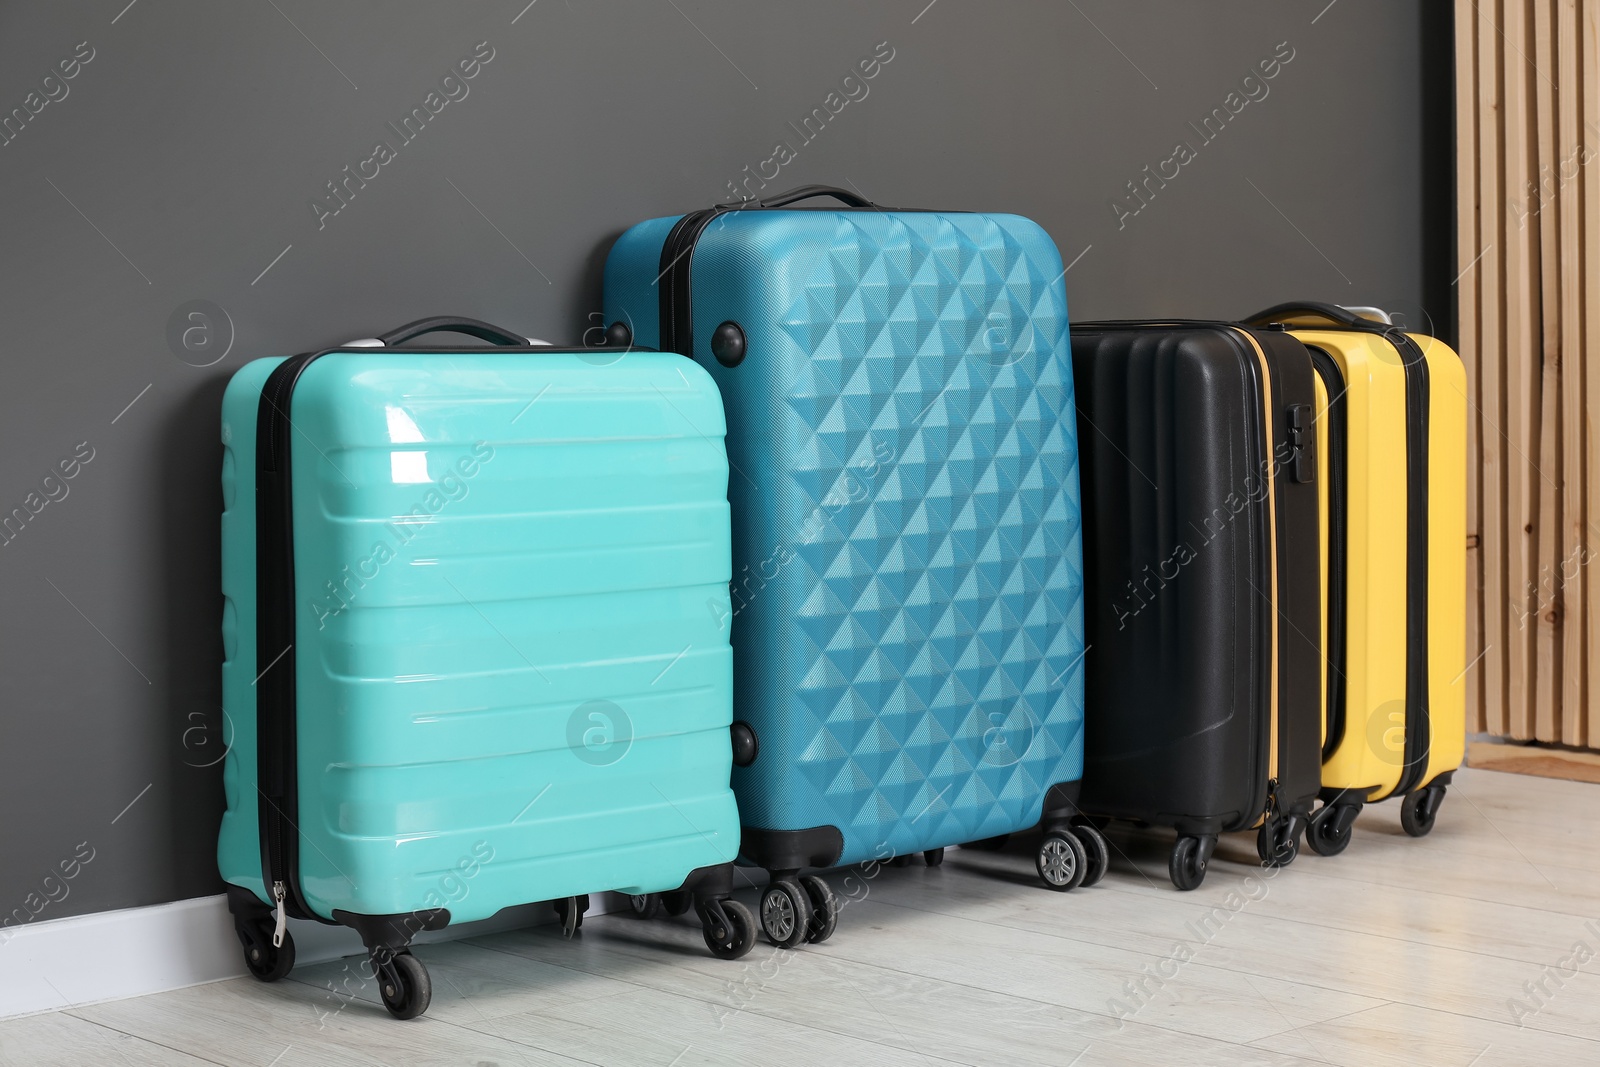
{"x":393,"y":933}
{"x":1061,"y":801}
{"x":792,"y":850}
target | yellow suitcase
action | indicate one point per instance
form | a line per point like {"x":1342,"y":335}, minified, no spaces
{"x":1391,"y":446}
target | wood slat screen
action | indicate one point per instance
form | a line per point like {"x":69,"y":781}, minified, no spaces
{"x":1528,"y":218}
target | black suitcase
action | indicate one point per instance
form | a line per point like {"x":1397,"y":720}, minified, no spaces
{"x":1202,"y":583}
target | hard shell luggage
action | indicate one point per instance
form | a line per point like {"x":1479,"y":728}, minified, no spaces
{"x":906,"y":607}
{"x":1201,"y":547}
{"x":1394,"y":443}
{"x":467,"y":659}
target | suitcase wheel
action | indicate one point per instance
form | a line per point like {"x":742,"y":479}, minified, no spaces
{"x":404,"y":985}
{"x":1096,"y":850}
{"x":266,"y":963}
{"x":785,"y":913}
{"x":570,"y":911}
{"x":677,"y":902}
{"x":934,"y":857}
{"x":900,"y":861}
{"x":647,"y":905}
{"x":1061,"y":861}
{"x":1278,"y":841}
{"x":737,"y":937}
{"x":1330,"y":830}
{"x":1187,"y":864}
{"x":824,"y":909}
{"x":1419,"y":809}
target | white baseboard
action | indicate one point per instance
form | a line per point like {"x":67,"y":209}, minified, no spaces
{"x":111,"y":955}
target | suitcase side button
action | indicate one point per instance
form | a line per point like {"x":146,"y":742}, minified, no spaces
{"x":745,"y":745}
{"x":728,"y":345}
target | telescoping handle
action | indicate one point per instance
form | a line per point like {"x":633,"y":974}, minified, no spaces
{"x":804,"y":192}
{"x":483,"y":331}
{"x":1314,"y":313}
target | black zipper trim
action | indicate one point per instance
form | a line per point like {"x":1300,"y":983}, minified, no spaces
{"x":277,"y":768}
{"x":677,"y":255}
{"x":1255,"y":441}
{"x":277,"y":778}
{"x":675,"y":310}
{"x":1338,"y":546}
{"x":1418,"y":401}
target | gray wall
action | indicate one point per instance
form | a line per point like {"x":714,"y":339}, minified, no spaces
{"x":186,"y":153}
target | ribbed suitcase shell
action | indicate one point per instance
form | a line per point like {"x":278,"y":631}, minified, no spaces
{"x":1364,"y":751}
{"x":490,"y":550}
{"x":907,"y":600}
{"x":1201,"y":597}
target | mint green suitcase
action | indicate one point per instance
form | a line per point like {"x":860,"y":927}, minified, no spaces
{"x":468,"y":657}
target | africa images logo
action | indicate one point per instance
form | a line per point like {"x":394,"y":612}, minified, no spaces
{"x":599,"y":732}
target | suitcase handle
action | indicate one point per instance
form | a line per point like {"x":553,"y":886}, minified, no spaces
{"x":1326,"y":313}
{"x":483,"y":331}
{"x":806,"y":192}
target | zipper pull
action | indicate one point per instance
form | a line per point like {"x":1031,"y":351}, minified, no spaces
{"x":281,"y":925}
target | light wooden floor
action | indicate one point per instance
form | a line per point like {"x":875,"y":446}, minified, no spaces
{"x":1398,"y":953}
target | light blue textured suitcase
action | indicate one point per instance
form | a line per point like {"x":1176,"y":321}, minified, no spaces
{"x":467,"y":658}
{"x":906,"y":610}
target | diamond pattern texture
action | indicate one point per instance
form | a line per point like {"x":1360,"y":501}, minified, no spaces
{"x":907,"y":602}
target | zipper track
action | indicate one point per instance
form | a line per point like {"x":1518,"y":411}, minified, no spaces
{"x":675,"y":309}
{"x":1418,"y":402}
{"x":1338,"y":547}
{"x":277,"y":769}
{"x":1265,"y":441}
{"x":677,"y":258}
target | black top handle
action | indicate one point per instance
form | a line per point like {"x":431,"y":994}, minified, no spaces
{"x":804,"y":192}
{"x":1296,"y":313}
{"x":483,"y":331}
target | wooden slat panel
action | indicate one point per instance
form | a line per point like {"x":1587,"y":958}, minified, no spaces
{"x":1528,"y":143}
{"x":1522,"y":340}
{"x":1545,"y":436}
{"x":1569,"y":134}
{"x":1589,"y":59}
{"x":1468,"y":324}
{"x":1489,"y":407}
